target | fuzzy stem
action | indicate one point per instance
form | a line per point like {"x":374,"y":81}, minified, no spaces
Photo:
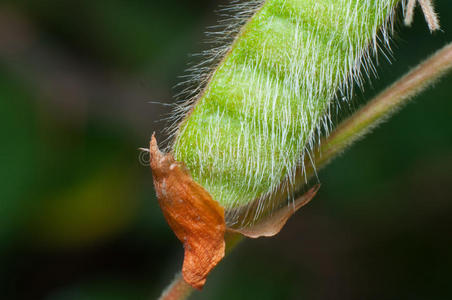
{"x":409,"y":12}
{"x":430,"y":15}
{"x":383,"y":106}
{"x":177,"y":290}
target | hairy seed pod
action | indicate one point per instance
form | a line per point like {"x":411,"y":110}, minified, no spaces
{"x":263,"y":107}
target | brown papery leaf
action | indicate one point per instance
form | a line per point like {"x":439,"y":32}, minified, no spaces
{"x":271,"y":225}
{"x":196,"y":219}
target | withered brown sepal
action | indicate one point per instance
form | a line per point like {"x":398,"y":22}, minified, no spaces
{"x":196,"y":219}
{"x":271,"y":225}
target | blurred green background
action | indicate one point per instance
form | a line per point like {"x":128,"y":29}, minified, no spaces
{"x":78,"y":214}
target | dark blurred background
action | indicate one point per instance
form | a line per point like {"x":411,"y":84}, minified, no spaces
{"x":78,"y":214}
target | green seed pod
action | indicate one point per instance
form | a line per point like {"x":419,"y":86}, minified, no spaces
{"x":259,"y":113}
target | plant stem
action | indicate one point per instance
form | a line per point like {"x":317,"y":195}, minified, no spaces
{"x":351,"y":130}
{"x":382,"y":107}
{"x":177,"y":290}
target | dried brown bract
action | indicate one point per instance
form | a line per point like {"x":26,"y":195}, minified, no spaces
{"x":196,"y":219}
{"x":272,"y":225}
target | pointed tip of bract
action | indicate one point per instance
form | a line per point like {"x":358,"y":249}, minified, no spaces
{"x":271,"y":225}
{"x":153,"y":146}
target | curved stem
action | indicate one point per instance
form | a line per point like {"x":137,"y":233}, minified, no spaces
{"x":383,"y":106}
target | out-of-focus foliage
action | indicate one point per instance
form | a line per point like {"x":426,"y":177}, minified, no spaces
{"x":78,"y":215}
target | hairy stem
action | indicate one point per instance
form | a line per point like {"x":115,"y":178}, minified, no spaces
{"x":383,"y":106}
{"x":177,"y":290}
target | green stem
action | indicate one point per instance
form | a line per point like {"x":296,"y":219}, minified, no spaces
{"x":383,"y":106}
{"x":351,"y":130}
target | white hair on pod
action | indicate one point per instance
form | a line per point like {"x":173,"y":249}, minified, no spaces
{"x":303,"y":78}
{"x":220,"y":37}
